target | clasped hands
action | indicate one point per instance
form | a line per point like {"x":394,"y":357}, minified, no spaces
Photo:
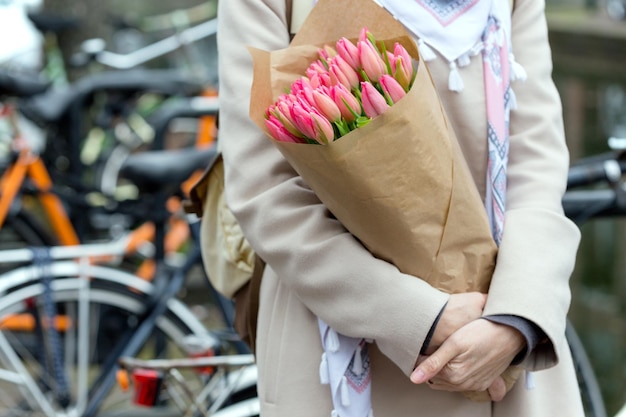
{"x":468,"y":353}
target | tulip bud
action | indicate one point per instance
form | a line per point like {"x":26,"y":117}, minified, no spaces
{"x":301,"y":119}
{"x":326,"y":106}
{"x":303,"y":90}
{"x":400,"y":73}
{"x":282,"y":113}
{"x":326,"y":53}
{"x":373,"y":102}
{"x":316,"y":67}
{"x":324,"y":132}
{"x":371,"y":62}
{"x":391,"y":88}
{"x":349,"y":52}
{"x":399,"y":50}
{"x":341,"y":72}
{"x":402,"y":66}
{"x":346,"y":102}
{"x":364,"y":35}
{"x":279,"y":132}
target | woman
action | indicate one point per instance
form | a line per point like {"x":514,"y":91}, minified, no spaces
{"x":427,"y":345}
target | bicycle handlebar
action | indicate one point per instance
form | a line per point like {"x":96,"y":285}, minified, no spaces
{"x":590,"y":173}
{"x":150,"y":52}
{"x":582,"y":205}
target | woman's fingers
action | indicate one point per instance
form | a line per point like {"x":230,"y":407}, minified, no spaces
{"x":497,"y":390}
{"x":472,"y":359}
{"x":433,"y":364}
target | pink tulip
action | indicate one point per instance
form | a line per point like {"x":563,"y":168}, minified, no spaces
{"x":318,"y":80}
{"x":326,"y":106}
{"x":346,"y":102}
{"x":303,"y":90}
{"x":326,"y":53}
{"x":373,"y":102}
{"x":371,"y":62}
{"x":279,"y":132}
{"x":281,"y":111}
{"x":341,"y":72}
{"x":349,"y":52}
{"x":324,"y":132}
{"x":364,"y":34}
{"x":316,"y":67}
{"x":399,"y":73}
{"x":399,"y":50}
{"x":301,"y":120}
{"x":402,"y":66}
{"x":312,"y":124}
{"x":392,"y":89}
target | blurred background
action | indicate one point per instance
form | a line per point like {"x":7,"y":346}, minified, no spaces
{"x":588,"y":40}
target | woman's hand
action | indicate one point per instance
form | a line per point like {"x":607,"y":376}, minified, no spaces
{"x":461,"y":309}
{"x":472,"y":359}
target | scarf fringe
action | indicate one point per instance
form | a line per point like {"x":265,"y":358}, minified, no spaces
{"x":512,"y":99}
{"x":530,"y":380}
{"x":345,"y":394}
{"x":332,"y":340}
{"x":517,"y":70}
{"x":357,"y":365}
{"x":425,"y":51}
{"x":455,"y":82}
{"x":324,"y":374}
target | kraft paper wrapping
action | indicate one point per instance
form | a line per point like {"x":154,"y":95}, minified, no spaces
{"x":400,"y":184}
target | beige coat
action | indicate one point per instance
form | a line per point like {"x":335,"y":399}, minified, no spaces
{"x":316,"y":268}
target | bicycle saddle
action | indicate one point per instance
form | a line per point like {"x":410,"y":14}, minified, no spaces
{"x":21,"y":85}
{"x":51,"y":106}
{"x":165,"y":170}
{"x":47,"y":22}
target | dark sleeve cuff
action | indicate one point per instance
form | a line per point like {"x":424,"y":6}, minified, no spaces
{"x":429,"y":336}
{"x":532,"y":333}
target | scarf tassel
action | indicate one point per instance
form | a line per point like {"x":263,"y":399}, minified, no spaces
{"x":512,"y":99}
{"x":345,"y":395}
{"x":357,"y":365}
{"x":517,"y":70}
{"x":332,"y":341}
{"x":464,"y":60}
{"x":455,"y":82}
{"x":530,"y":380}
{"x":425,"y":51}
{"x":334,"y":413}
{"x":371,"y":413}
{"x":324,"y":375}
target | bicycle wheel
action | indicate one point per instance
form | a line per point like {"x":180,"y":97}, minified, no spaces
{"x":93,"y":307}
{"x":22,"y":229}
{"x":589,"y":386}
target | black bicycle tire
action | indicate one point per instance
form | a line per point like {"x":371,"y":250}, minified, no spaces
{"x":113,"y":293}
{"x":588,"y":383}
{"x":27,"y":229}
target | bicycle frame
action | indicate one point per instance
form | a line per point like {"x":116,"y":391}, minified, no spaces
{"x":29,"y":165}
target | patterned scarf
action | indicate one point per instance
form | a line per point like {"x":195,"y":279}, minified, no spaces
{"x":458,"y":30}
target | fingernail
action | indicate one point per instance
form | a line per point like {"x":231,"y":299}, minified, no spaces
{"x":418,"y":376}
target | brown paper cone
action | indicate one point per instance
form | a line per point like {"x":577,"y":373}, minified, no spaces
{"x":399,"y":184}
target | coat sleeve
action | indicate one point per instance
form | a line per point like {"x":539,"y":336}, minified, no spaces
{"x":312,"y":254}
{"x":538,"y":249}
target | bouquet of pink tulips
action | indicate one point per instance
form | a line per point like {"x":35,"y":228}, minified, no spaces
{"x":390,"y":168}
{"x":342,"y":90}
